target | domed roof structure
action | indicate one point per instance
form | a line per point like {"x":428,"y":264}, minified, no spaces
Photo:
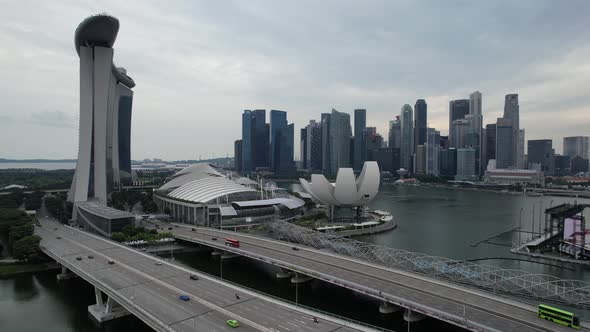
{"x":347,"y":191}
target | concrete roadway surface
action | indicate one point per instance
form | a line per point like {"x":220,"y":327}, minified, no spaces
{"x":466,"y":307}
{"x":155,"y":288}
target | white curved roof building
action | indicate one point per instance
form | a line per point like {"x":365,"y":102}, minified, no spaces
{"x":347,"y":190}
{"x":202,"y":183}
{"x":203,"y":194}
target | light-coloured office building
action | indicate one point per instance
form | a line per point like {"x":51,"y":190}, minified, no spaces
{"x":466,"y":165}
{"x":512,"y":112}
{"x":576,"y":146}
{"x":514,"y":176}
{"x":339,"y":137}
{"x":432,"y":151}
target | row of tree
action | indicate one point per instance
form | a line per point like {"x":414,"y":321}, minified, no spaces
{"x":23,"y":244}
{"x":36,"y":179}
{"x":16,"y":198}
{"x":130,"y":233}
{"x":59,"y":207}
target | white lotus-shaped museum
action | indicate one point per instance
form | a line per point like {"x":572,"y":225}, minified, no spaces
{"x":347,"y":191}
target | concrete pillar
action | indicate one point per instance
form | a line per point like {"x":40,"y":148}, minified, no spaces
{"x":98,"y":296}
{"x":412,"y":316}
{"x":65,"y":274}
{"x":300,"y":278}
{"x":388,"y":308}
{"x":102,"y":311}
{"x":228,"y":255}
{"x":284,"y":274}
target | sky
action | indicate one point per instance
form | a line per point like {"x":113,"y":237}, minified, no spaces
{"x":199,"y":64}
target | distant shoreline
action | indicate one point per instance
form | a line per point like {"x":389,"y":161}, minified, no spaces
{"x":31,"y":161}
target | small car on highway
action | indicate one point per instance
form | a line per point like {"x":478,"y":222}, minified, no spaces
{"x":233,"y":323}
{"x":79,"y":258}
{"x":111,"y":262}
{"x":90,"y":257}
{"x":158,"y":263}
{"x":194,"y":277}
{"x":184,"y":297}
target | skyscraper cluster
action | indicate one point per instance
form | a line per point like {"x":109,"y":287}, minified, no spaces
{"x":412,"y":147}
{"x":265,"y":146}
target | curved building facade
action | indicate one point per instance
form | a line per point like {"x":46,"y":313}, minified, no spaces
{"x":201,"y":194}
{"x":106,"y":99}
{"x":348,"y":190}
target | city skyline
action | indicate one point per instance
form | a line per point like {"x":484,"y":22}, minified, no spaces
{"x":207,"y":77}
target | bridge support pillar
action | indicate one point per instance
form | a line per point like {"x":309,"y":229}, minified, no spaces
{"x":388,"y":308}
{"x":284,"y":274}
{"x":65,"y":274}
{"x":104,"y":311}
{"x":412,"y":316}
{"x":228,"y":255}
{"x":300,"y":278}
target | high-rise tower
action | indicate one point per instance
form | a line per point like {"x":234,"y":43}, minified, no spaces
{"x":511,"y":112}
{"x":420,"y":121}
{"x":407,"y":137}
{"x":106,"y":98}
{"x":360,"y":139}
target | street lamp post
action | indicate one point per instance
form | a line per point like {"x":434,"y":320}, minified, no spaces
{"x":519,"y":226}
{"x":296,"y":290}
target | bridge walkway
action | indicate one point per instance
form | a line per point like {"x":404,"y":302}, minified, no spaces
{"x":456,"y":304}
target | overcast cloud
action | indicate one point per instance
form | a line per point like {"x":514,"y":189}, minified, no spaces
{"x":199,"y":64}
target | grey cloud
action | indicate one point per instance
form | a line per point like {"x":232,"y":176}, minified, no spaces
{"x":198,"y":64}
{"x":54,"y":118}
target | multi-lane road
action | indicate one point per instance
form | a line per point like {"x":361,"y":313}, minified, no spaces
{"x":149,"y":288}
{"x":456,"y":304}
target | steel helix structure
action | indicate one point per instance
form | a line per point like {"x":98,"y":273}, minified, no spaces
{"x":511,"y":282}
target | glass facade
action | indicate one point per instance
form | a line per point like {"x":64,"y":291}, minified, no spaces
{"x":247,"y":164}
{"x":278,"y":123}
{"x":504,"y":147}
{"x":407,"y":137}
{"x":360,"y":139}
{"x":125,"y":105}
{"x":340,"y":133}
{"x":259,"y":150}
{"x":420,"y":120}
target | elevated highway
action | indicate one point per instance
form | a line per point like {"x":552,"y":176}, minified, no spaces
{"x":458,"y":305}
{"x":149,"y":288}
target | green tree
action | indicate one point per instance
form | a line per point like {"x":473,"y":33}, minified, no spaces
{"x":118,"y":236}
{"x":12,"y":217}
{"x":26,"y":248}
{"x":18,"y":232}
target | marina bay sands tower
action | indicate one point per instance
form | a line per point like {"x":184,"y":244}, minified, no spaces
{"x":104,"y":155}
